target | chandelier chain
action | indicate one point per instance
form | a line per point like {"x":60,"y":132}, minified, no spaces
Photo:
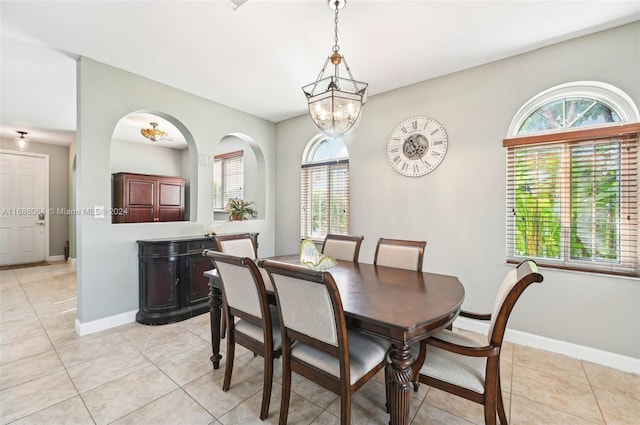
{"x":336,"y":47}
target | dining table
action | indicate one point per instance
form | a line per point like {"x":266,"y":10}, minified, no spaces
{"x":402,"y":306}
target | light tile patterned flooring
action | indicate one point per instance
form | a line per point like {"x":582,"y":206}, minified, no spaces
{"x":137,"y":374}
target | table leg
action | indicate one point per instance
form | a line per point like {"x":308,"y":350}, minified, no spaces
{"x":399,"y":380}
{"x":215,"y":304}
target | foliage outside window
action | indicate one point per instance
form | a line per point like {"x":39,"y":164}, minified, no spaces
{"x":572,"y":194}
{"x":325,"y":190}
{"x":228,"y":178}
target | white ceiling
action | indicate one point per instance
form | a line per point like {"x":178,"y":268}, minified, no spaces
{"x":257,"y":57}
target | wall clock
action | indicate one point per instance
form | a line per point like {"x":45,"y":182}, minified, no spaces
{"x":417,"y":146}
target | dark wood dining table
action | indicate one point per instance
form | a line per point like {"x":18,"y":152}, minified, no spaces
{"x":400,"y":305}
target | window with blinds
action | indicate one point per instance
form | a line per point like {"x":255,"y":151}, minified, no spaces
{"x":325,"y":199}
{"x":228,"y":178}
{"x":572,"y":199}
{"x":325,"y":193}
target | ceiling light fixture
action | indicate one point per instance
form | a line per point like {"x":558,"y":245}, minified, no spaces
{"x":21,"y":141}
{"x":153,"y":134}
{"x":336,"y":110}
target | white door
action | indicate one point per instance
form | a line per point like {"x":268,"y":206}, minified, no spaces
{"x":23,"y":208}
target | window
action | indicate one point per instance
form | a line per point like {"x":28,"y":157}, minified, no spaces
{"x":325,"y":189}
{"x":228,"y":178}
{"x":572,"y":189}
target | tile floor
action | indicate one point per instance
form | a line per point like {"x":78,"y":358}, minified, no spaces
{"x":137,"y":374}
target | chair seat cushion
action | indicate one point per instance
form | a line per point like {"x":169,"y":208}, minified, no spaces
{"x":464,"y":371}
{"x":365,"y":353}
{"x":255,"y":332}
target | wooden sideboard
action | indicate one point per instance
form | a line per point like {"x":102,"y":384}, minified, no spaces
{"x":172,"y":284}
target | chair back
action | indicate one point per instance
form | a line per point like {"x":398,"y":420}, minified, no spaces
{"x":310,"y":306}
{"x":513,"y":285}
{"x":239,"y":245}
{"x":401,"y":254}
{"x":342,"y":247}
{"x":243,"y":289}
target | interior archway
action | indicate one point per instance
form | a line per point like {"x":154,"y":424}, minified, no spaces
{"x":254,"y":170}
{"x":174,"y":155}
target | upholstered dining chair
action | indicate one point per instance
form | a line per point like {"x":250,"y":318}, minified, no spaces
{"x":240,"y":245}
{"x":316,"y":342}
{"x":258,"y":329}
{"x":342,"y":247}
{"x":402,"y":254}
{"x":460,"y":365}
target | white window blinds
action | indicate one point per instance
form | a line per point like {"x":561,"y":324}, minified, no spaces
{"x":325,"y":199}
{"x":228,"y":178}
{"x":572,"y":199}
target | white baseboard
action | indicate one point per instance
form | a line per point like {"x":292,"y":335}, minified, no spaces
{"x":581,"y":352}
{"x":55,"y":258}
{"x":105,"y":323}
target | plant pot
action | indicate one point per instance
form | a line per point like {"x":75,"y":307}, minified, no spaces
{"x":236,"y":217}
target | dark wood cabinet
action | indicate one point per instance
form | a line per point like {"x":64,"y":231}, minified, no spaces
{"x":143,"y":198}
{"x":172,"y":285}
{"x":172,"y":281}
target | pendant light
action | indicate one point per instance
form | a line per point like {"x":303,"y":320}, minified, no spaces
{"x":335,"y":102}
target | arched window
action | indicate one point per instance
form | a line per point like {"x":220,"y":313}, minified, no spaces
{"x":572,"y":180}
{"x":324,"y":188}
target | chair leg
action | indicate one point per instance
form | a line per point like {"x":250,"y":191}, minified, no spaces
{"x":490,"y":412}
{"x":266,"y":385}
{"x":417,"y":365}
{"x":286,"y":389}
{"x":228,"y":367}
{"x":490,"y":401}
{"x":501,"y":413}
{"x":345,"y":407}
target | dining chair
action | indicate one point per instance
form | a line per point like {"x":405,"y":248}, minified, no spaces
{"x":258,"y":327}
{"x":399,"y":253}
{"x":316,"y":342}
{"x":461,"y":365}
{"x":342,"y":247}
{"x":240,"y":245}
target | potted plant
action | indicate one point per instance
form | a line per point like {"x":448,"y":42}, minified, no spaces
{"x":239,"y":209}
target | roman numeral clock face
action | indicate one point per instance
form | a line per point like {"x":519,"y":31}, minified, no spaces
{"x":417,"y":146}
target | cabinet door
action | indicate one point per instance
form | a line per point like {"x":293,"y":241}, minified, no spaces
{"x":198,"y":290}
{"x":170,"y":201}
{"x":141,"y":195}
{"x":159,"y":284}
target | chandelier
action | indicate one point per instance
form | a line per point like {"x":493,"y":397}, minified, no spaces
{"x":335,"y":102}
{"x":153,"y":133}
{"x":21,"y":141}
